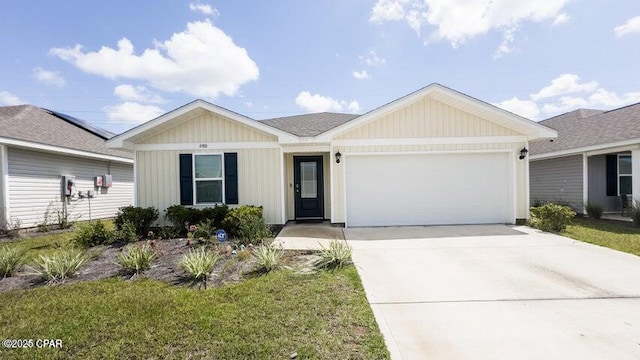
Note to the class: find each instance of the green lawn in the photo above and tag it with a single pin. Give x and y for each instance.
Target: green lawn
(615, 235)
(319, 316)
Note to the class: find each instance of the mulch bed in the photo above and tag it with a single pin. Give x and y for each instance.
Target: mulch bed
(231, 268)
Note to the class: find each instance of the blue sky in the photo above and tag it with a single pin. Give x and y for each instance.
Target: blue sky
(119, 63)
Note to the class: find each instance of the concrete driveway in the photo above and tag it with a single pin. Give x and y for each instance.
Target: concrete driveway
(498, 292)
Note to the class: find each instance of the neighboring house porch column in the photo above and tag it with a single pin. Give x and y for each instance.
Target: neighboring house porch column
(635, 172)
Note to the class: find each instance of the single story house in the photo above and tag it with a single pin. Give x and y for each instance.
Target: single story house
(38, 147)
(596, 158)
(435, 156)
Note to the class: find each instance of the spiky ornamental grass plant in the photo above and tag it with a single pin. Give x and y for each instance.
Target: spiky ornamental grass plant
(335, 256)
(10, 260)
(268, 257)
(136, 259)
(59, 266)
(199, 264)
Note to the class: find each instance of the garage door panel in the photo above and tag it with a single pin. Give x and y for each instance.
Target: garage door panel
(427, 189)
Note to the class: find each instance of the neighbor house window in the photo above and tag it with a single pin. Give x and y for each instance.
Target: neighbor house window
(624, 174)
(208, 178)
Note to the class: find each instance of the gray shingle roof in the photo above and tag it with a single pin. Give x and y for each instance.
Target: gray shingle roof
(586, 127)
(38, 125)
(309, 125)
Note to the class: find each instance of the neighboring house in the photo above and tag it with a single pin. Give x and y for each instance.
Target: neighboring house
(39, 146)
(435, 156)
(594, 159)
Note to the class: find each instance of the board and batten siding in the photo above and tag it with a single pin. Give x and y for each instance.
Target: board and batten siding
(208, 127)
(427, 118)
(557, 180)
(259, 175)
(35, 186)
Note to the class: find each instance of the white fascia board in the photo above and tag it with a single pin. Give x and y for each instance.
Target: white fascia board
(282, 136)
(61, 150)
(538, 131)
(591, 150)
(431, 141)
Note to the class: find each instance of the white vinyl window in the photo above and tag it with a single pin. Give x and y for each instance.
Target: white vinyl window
(624, 174)
(208, 180)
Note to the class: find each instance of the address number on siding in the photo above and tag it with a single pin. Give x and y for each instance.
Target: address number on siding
(203, 146)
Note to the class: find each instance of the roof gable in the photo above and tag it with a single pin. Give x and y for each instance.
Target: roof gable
(309, 125)
(176, 116)
(454, 99)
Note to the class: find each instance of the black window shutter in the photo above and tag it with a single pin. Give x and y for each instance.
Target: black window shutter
(231, 178)
(612, 175)
(186, 179)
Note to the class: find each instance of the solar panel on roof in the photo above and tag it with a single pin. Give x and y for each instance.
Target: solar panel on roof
(84, 125)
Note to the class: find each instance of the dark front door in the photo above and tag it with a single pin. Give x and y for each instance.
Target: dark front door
(308, 187)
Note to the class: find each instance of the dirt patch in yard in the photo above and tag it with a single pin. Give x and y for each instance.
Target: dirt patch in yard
(233, 266)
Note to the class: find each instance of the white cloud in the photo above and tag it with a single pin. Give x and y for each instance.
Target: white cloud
(7, 98)
(201, 61)
(136, 93)
(248, 104)
(457, 21)
(506, 44)
(319, 103)
(564, 94)
(132, 112)
(372, 59)
(526, 108)
(205, 9)
(49, 77)
(629, 27)
(361, 75)
(565, 84)
(561, 19)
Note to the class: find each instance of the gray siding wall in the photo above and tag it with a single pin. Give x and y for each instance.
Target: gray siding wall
(35, 185)
(558, 180)
(598, 184)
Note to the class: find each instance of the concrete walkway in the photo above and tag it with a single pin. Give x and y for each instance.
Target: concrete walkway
(504, 293)
(308, 236)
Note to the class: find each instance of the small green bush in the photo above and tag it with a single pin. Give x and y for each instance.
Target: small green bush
(127, 233)
(594, 210)
(93, 234)
(137, 259)
(268, 257)
(635, 213)
(238, 216)
(202, 232)
(253, 230)
(59, 266)
(551, 217)
(179, 216)
(335, 256)
(199, 264)
(140, 217)
(10, 260)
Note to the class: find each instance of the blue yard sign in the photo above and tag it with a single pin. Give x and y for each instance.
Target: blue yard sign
(221, 235)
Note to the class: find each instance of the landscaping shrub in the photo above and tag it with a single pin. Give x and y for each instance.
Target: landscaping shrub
(127, 233)
(336, 256)
(10, 260)
(137, 259)
(10, 229)
(59, 266)
(199, 264)
(93, 234)
(635, 213)
(179, 216)
(551, 217)
(202, 232)
(140, 217)
(240, 215)
(253, 230)
(268, 257)
(594, 210)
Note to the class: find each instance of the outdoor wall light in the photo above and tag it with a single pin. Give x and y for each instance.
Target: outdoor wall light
(523, 153)
(338, 157)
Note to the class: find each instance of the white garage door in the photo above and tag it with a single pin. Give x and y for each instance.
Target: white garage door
(427, 189)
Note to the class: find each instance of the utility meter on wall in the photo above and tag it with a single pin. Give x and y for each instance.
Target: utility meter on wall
(68, 185)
